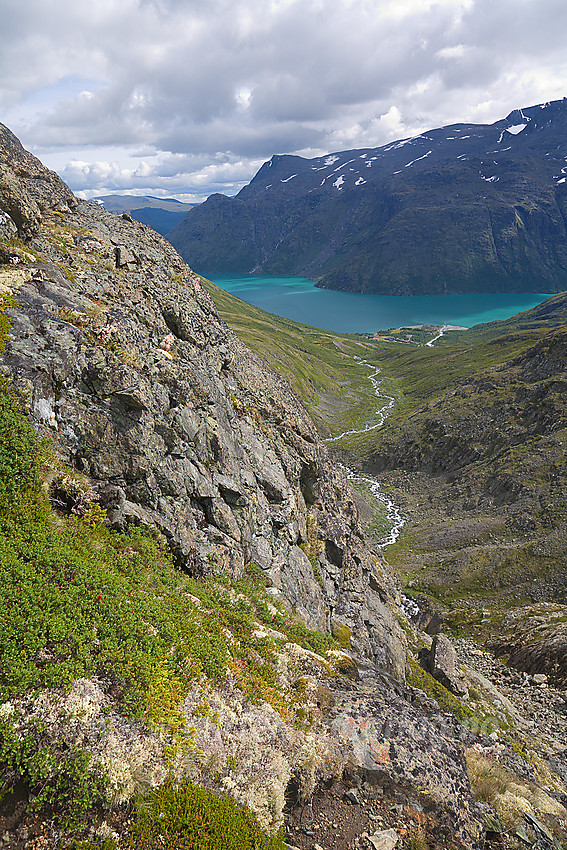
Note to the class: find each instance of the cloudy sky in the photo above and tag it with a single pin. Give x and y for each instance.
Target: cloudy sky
(183, 98)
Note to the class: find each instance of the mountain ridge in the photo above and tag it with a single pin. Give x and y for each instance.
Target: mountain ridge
(464, 208)
(161, 214)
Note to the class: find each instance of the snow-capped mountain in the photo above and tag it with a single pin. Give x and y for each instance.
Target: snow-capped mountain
(463, 208)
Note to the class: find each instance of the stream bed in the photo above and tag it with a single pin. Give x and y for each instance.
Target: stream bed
(393, 513)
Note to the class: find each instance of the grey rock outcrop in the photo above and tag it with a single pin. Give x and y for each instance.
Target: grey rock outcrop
(534, 639)
(171, 420)
(443, 665)
(399, 738)
(26, 186)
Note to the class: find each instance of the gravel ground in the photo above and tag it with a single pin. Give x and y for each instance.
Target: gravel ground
(543, 706)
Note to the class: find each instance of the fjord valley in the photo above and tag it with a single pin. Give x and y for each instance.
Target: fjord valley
(472, 448)
(202, 642)
(473, 453)
(361, 220)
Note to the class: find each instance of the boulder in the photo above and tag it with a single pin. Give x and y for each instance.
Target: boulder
(384, 840)
(443, 665)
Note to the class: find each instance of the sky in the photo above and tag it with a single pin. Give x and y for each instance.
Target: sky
(184, 98)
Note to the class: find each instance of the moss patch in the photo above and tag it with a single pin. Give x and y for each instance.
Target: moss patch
(341, 633)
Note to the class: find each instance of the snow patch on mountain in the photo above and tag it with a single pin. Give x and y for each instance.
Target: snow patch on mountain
(417, 160)
(516, 128)
(397, 145)
(344, 165)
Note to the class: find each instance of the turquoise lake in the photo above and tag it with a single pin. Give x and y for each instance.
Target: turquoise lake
(298, 298)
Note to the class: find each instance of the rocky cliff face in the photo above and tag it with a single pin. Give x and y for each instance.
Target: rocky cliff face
(172, 420)
(26, 188)
(463, 208)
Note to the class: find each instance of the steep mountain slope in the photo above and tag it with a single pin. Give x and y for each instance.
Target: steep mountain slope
(464, 208)
(176, 423)
(155, 619)
(473, 452)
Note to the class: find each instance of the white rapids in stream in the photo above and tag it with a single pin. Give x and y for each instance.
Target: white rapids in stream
(393, 514)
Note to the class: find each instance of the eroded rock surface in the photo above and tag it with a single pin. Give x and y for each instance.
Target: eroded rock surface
(399, 737)
(534, 639)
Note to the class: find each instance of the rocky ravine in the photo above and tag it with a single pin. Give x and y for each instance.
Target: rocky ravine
(169, 421)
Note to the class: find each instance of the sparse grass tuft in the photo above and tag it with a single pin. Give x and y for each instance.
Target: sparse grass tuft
(510, 796)
(417, 839)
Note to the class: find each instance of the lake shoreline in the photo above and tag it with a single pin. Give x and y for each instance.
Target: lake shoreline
(435, 327)
(346, 312)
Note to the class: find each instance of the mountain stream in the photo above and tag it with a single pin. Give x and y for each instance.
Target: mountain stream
(393, 514)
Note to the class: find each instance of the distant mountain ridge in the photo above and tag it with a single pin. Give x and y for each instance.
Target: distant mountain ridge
(463, 208)
(161, 214)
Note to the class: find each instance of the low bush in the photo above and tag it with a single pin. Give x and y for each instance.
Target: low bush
(192, 818)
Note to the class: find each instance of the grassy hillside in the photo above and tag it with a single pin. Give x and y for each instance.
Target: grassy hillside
(320, 365)
(428, 372)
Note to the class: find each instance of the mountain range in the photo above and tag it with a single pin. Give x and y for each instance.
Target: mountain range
(463, 208)
(161, 214)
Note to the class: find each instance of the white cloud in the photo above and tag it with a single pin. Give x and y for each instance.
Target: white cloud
(234, 81)
(189, 178)
(456, 51)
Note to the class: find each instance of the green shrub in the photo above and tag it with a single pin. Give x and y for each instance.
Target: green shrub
(5, 301)
(420, 678)
(192, 818)
(341, 633)
(59, 777)
(20, 453)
